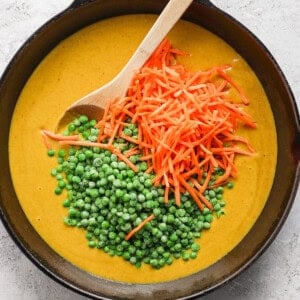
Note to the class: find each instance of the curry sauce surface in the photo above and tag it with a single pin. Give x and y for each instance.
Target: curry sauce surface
(82, 63)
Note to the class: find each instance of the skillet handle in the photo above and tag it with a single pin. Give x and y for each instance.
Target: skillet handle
(77, 3)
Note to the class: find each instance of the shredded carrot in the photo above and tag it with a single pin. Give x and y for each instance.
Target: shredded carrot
(87, 144)
(139, 227)
(186, 122)
(125, 159)
(131, 152)
(235, 85)
(60, 137)
(45, 141)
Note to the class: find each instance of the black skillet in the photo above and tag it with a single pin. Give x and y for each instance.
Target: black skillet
(85, 12)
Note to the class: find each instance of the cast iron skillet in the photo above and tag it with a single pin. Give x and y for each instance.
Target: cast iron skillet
(85, 12)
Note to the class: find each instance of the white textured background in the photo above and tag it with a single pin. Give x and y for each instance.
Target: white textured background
(276, 274)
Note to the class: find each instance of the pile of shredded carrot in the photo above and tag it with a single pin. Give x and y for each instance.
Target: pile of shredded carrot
(186, 124)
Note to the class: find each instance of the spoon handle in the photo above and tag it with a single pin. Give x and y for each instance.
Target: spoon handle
(164, 23)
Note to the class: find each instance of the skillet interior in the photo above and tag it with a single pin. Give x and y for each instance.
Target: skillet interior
(286, 176)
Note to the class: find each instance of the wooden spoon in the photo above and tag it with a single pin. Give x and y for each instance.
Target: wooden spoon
(93, 104)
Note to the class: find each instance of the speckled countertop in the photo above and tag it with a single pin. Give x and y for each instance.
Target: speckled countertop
(276, 274)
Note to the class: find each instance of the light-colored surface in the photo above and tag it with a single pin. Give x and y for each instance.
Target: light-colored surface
(276, 274)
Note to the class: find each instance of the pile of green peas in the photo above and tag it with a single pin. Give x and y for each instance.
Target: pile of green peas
(107, 199)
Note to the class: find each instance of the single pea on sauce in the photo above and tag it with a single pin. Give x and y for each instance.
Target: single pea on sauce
(82, 63)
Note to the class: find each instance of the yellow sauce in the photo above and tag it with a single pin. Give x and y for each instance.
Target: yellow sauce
(82, 63)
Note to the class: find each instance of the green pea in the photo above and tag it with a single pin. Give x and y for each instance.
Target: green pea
(60, 160)
(92, 123)
(84, 214)
(185, 256)
(206, 225)
(76, 179)
(61, 184)
(208, 218)
(88, 153)
(81, 157)
(83, 119)
(71, 127)
(195, 247)
(230, 185)
(212, 193)
(92, 244)
(206, 211)
(66, 203)
(222, 203)
(217, 207)
(61, 153)
(58, 190)
(219, 196)
(53, 172)
(220, 190)
(51, 152)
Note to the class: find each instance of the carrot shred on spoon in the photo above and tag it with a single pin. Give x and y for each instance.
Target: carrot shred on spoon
(59, 137)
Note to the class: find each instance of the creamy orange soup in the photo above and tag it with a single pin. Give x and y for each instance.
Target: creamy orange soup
(82, 63)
